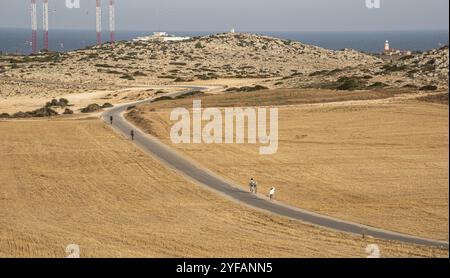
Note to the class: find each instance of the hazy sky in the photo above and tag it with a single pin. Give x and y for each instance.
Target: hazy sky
(244, 15)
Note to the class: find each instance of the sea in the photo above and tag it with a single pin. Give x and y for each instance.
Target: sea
(18, 40)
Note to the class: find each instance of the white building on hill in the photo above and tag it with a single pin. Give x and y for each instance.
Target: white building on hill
(161, 36)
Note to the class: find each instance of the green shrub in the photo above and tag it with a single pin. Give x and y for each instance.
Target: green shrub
(182, 79)
(349, 85)
(247, 89)
(57, 103)
(91, 108)
(429, 88)
(190, 94)
(113, 72)
(107, 105)
(410, 86)
(127, 77)
(393, 68)
(63, 102)
(317, 73)
(43, 112)
(168, 76)
(162, 98)
(68, 112)
(178, 63)
(378, 85)
(103, 66)
(345, 83)
(139, 73)
(198, 45)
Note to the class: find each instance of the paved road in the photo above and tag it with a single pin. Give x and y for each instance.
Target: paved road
(184, 166)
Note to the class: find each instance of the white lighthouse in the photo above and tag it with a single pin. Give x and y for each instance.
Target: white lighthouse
(387, 47)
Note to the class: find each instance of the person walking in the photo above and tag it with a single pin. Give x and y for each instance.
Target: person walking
(272, 193)
(253, 185)
(132, 135)
(111, 119)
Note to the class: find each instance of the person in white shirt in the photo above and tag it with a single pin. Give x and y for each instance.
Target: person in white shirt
(271, 193)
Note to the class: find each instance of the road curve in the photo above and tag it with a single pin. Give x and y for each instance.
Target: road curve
(190, 169)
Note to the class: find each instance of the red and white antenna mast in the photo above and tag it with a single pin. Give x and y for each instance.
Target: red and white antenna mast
(112, 20)
(98, 13)
(45, 23)
(33, 26)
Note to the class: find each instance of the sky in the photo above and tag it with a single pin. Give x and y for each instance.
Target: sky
(243, 15)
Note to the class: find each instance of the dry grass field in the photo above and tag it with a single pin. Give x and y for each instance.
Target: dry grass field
(379, 162)
(76, 181)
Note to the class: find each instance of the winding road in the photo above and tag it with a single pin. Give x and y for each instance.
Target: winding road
(191, 170)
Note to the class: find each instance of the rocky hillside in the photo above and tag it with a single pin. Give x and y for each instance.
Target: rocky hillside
(216, 56)
(424, 71)
(276, 62)
(427, 67)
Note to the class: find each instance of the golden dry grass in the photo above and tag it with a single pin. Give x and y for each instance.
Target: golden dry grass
(381, 164)
(65, 182)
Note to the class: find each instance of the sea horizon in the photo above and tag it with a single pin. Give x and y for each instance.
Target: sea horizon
(17, 40)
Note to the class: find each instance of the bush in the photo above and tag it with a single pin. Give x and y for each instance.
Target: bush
(113, 72)
(39, 113)
(139, 73)
(103, 66)
(127, 77)
(63, 102)
(247, 89)
(68, 112)
(407, 57)
(91, 108)
(206, 76)
(393, 68)
(43, 112)
(317, 73)
(190, 94)
(162, 98)
(178, 63)
(107, 105)
(198, 45)
(429, 88)
(378, 85)
(21, 115)
(345, 83)
(349, 85)
(5, 116)
(54, 102)
(181, 79)
(410, 86)
(167, 77)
